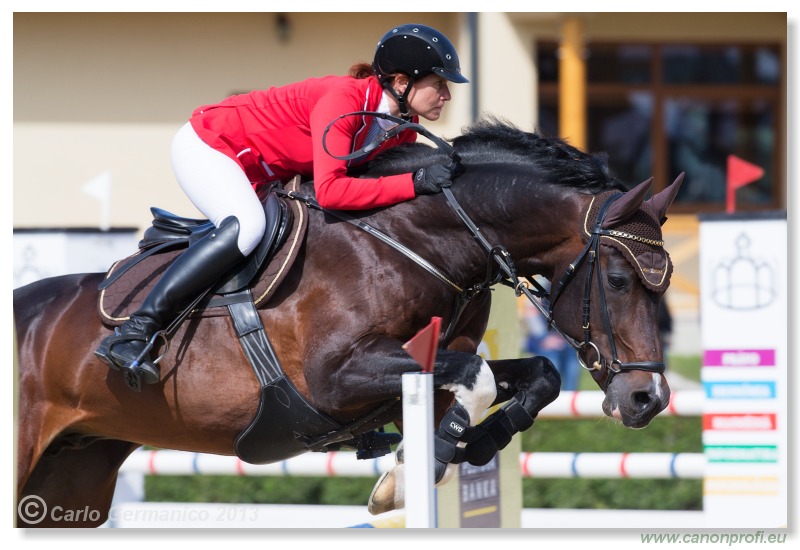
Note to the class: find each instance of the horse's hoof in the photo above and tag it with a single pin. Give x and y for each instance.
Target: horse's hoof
(388, 493)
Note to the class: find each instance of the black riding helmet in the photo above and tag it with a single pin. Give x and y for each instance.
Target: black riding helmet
(417, 51)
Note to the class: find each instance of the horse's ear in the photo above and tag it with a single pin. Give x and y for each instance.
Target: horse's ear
(627, 205)
(662, 201)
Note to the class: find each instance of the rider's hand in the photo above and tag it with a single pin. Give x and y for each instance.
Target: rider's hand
(430, 180)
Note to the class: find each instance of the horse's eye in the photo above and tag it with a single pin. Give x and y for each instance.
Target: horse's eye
(616, 281)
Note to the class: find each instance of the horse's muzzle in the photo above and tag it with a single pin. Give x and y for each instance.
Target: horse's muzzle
(635, 407)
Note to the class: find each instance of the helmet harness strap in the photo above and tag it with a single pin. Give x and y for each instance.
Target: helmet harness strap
(402, 100)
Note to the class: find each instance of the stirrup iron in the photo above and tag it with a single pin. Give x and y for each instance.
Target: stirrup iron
(150, 345)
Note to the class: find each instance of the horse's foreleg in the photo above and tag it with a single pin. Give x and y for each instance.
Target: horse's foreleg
(72, 486)
(527, 386)
(472, 384)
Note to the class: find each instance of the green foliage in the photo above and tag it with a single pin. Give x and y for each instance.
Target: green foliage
(602, 435)
(606, 494)
(687, 366)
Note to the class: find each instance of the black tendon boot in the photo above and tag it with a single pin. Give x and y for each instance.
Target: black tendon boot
(453, 428)
(194, 271)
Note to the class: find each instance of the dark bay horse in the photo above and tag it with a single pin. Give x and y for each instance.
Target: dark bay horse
(339, 319)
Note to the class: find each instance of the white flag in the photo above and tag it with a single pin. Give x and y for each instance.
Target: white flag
(99, 188)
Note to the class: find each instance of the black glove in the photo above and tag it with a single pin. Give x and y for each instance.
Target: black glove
(430, 180)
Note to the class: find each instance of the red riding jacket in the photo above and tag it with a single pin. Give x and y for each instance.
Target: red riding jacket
(277, 133)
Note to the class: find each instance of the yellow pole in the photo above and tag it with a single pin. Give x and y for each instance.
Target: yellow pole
(572, 84)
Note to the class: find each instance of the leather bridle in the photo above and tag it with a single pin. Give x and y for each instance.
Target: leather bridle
(591, 254)
(507, 272)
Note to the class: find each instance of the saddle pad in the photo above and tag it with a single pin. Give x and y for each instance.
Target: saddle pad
(117, 302)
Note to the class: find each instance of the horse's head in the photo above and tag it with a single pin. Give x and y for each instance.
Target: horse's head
(526, 191)
(616, 284)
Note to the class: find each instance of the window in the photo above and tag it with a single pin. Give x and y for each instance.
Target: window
(661, 109)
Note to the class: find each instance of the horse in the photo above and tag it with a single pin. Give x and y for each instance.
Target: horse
(338, 321)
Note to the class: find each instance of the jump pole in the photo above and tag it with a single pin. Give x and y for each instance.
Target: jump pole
(419, 480)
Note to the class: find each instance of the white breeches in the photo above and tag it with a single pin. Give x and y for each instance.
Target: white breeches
(217, 186)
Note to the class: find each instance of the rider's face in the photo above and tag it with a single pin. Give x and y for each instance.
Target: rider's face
(427, 97)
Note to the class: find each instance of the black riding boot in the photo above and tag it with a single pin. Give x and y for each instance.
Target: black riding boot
(194, 271)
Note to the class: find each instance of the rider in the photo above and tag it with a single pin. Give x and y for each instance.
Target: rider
(229, 150)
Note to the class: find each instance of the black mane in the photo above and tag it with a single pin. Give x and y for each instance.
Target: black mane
(491, 141)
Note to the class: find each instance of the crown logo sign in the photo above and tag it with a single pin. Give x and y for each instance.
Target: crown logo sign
(743, 282)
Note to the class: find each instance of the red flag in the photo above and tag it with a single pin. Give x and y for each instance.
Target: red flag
(740, 173)
(422, 347)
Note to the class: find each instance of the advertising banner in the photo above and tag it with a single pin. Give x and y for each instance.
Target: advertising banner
(743, 305)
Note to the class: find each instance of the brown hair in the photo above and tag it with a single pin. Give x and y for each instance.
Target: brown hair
(361, 70)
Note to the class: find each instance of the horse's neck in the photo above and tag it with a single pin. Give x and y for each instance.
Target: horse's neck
(531, 223)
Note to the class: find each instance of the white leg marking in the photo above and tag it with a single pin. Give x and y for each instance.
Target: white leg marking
(480, 397)
(475, 401)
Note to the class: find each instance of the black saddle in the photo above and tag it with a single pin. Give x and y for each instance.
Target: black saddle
(170, 231)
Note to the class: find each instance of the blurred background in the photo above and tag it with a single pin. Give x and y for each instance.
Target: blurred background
(98, 97)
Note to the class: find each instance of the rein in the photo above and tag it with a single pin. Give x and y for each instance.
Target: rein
(500, 256)
(377, 233)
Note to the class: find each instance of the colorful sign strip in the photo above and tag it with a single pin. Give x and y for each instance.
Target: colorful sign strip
(742, 486)
(740, 421)
(741, 453)
(739, 358)
(740, 390)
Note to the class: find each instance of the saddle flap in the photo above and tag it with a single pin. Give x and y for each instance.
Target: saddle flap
(278, 218)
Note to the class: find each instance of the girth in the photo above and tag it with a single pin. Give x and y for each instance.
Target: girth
(286, 424)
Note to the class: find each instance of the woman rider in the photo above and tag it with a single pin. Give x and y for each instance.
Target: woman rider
(228, 150)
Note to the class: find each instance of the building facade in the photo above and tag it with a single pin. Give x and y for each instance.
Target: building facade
(98, 97)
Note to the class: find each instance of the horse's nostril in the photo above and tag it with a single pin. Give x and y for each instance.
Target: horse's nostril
(642, 398)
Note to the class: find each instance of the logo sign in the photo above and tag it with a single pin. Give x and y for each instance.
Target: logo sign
(744, 315)
(480, 494)
(745, 282)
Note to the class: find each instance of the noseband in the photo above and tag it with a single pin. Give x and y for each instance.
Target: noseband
(591, 254)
